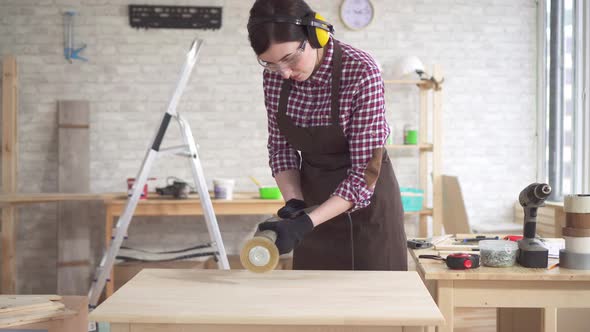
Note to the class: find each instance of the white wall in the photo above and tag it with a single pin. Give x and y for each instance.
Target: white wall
(486, 49)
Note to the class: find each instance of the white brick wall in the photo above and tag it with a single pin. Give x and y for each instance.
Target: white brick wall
(486, 48)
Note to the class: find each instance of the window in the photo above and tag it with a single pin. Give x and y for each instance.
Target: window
(564, 112)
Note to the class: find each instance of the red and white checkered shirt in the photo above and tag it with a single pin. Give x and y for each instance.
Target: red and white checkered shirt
(362, 116)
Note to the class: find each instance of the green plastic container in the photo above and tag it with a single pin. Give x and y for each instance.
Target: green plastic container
(411, 137)
(270, 193)
(412, 199)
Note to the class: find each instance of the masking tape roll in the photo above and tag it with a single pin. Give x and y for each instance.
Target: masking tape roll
(576, 232)
(580, 245)
(577, 203)
(260, 254)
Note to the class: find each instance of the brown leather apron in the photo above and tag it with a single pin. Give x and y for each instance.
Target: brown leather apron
(372, 238)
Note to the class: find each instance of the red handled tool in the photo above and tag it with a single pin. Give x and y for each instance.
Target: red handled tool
(458, 261)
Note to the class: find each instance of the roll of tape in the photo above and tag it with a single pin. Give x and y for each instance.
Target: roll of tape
(576, 232)
(580, 245)
(572, 260)
(577, 220)
(577, 203)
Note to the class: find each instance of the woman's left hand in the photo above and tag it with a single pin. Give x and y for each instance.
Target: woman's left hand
(290, 232)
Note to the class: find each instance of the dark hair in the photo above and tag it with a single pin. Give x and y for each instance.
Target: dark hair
(263, 34)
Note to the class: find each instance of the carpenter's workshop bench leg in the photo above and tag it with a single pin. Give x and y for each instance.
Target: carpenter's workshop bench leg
(446, 304)
(550, 319)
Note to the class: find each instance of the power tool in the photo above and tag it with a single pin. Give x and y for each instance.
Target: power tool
(531, 251)
(178, 189)
(457, 261)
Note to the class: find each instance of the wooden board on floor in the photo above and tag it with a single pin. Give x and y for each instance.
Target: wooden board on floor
(73, 263)
(11, 303)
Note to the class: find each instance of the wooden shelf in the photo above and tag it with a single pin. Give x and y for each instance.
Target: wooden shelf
(422, 147)
(425, 212)
(428, 153)
(408, 82)
(423, 84)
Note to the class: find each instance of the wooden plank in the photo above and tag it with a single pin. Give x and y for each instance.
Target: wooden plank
(29, 316)
(454, 213)
(9, 169)
(74, 177)
(437, 120)
(341, 298)
(73, 319)
(9, 303)
(423, 160)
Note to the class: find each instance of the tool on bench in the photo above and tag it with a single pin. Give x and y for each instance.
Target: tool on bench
(532, 252)
(177, 189)
(418, 244)
(457, 261)
(480, 238)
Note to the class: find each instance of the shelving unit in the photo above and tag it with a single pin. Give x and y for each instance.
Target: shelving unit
(427, 88)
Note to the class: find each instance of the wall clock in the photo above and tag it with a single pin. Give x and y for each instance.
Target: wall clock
(357, 14)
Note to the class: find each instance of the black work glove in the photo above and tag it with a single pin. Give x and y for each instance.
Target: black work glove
(290, 232)
(293, 208)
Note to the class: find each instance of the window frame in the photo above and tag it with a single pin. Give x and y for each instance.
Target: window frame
(581, 114)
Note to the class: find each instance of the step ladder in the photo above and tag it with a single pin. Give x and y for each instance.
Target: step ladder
(189, 150)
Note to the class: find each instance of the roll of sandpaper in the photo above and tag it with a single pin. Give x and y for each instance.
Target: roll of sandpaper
(577, 230)
(260, 254)
(577, 211)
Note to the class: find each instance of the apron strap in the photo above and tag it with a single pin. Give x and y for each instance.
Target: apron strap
(336, 76)
(335, 89)
(284, 98)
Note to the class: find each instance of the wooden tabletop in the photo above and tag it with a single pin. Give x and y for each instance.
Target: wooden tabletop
(282, 297)
(33, 198)
(438, 270)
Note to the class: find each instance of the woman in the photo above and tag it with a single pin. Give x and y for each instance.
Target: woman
(327, 128)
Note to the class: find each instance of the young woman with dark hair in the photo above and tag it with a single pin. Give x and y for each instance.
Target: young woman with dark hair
(327, 130)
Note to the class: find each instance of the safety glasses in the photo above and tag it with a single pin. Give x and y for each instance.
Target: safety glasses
(288, 61)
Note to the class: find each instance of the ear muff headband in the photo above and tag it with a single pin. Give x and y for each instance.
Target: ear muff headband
(318, 30)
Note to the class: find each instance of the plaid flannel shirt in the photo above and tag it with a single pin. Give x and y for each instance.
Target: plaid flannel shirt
(362, 116)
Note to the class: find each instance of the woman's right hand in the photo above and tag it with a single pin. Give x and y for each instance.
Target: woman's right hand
(292, 209)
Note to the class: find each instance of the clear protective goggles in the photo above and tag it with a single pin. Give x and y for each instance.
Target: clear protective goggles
(288, 61)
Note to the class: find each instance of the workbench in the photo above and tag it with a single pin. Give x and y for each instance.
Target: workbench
(286, 301)
(510, 289)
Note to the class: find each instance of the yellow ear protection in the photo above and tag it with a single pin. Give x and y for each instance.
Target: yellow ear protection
(318, 30)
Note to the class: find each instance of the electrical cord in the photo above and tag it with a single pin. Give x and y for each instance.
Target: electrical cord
(351, 241)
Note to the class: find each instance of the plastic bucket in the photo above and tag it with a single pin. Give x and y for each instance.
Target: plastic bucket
(223, 188)
(270, 193)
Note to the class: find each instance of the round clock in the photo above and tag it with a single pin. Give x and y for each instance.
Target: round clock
(356, 14)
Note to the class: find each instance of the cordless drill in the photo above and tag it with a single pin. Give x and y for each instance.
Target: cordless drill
(532, 252)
